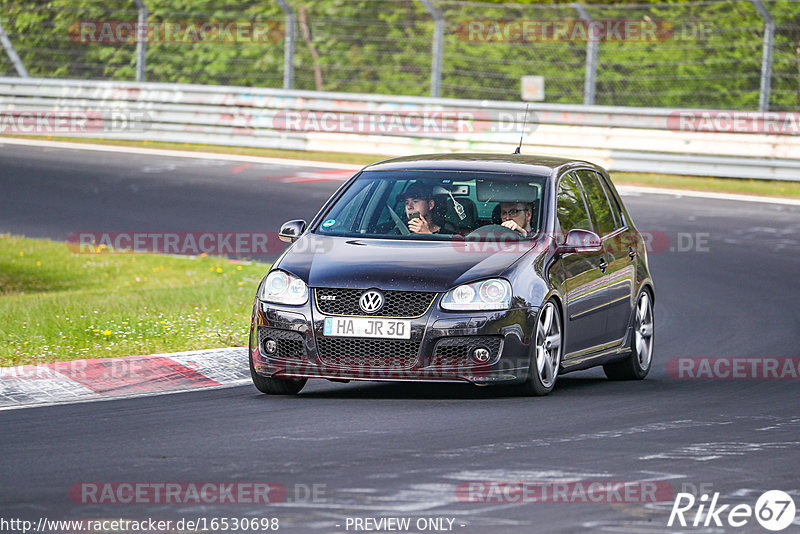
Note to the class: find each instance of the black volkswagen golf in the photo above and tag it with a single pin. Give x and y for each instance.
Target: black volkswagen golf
(480, 268)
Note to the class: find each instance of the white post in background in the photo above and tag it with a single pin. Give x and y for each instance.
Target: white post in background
(438, 47)
(141, 40)
(766, 56)
(12, 54)
(288, 47)
(590, 77)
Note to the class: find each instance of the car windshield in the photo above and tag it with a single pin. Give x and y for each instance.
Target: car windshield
(446, 205)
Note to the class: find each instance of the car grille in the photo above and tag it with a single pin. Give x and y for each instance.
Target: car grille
(455, 351)
(365, 354)
(290, 343)
(397, 304)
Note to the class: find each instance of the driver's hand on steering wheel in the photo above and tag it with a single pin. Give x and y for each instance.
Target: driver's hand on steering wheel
(511, 225)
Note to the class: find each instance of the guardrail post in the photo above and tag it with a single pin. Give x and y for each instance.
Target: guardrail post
(438, 47)
(590, 76)
(288, 47)
(141, 40)
(12, 54)
(766, 56)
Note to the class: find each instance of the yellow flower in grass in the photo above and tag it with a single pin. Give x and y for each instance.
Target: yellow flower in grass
(219, 269)
(107, 332)
(95, 331)
(238, 267)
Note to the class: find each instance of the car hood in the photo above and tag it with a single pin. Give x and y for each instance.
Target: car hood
(324, 261)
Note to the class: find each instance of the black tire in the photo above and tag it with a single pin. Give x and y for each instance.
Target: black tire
(637, 364)
(546, 357)
(275, 386)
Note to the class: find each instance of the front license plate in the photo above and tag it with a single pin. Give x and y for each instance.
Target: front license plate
(367, 327)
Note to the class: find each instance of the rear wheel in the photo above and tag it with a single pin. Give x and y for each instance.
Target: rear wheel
(275, 386)
(546, 358)
(637, 365)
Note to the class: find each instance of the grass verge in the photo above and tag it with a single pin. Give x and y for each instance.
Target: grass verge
(60, 306)
(769, 188)
(763, 188)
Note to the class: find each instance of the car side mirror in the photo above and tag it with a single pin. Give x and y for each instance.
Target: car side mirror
(581, 241)
(292, 230)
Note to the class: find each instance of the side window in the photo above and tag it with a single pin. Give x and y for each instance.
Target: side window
(570, 207)
(392, 203)
(615, 209)
(347, 216)
(601, 210)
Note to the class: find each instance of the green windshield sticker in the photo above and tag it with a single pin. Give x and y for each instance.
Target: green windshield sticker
(329, 223)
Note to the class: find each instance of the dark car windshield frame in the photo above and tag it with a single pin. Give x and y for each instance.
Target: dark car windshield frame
(464, 201)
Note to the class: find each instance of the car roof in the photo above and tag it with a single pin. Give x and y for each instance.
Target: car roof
(508, 163)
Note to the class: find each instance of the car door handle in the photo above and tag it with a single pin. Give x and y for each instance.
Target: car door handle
(631, 253)
(603, 265)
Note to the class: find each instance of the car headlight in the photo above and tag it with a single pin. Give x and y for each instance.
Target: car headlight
(283, 288)
(494, 294)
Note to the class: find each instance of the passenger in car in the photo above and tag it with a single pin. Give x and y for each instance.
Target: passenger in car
(516, 216)
(419, 203)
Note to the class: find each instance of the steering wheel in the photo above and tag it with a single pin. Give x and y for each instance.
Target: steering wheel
(398, 222)
(494, 229)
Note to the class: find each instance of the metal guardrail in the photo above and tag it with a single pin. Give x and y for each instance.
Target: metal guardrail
(619, 138)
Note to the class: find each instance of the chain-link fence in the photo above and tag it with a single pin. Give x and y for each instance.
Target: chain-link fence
(741, 54)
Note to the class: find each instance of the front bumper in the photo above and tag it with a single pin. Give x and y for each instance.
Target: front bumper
(440, 348)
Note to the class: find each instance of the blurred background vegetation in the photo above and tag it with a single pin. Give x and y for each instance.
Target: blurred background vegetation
(711, 59)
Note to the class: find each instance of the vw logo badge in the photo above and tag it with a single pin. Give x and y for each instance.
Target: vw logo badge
(371, 301)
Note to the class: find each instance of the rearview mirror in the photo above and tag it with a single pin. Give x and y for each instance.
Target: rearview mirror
(581, 241)
(292, 230)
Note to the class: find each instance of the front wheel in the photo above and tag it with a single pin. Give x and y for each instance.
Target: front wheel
(546, 359)
(637, 365)
(275, 386)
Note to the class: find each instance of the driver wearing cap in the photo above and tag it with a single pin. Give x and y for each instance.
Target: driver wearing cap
(419, 199)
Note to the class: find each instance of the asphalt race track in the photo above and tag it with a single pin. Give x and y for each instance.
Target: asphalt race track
(726, 279)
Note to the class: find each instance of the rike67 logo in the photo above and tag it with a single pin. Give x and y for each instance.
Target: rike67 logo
(774, 510)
